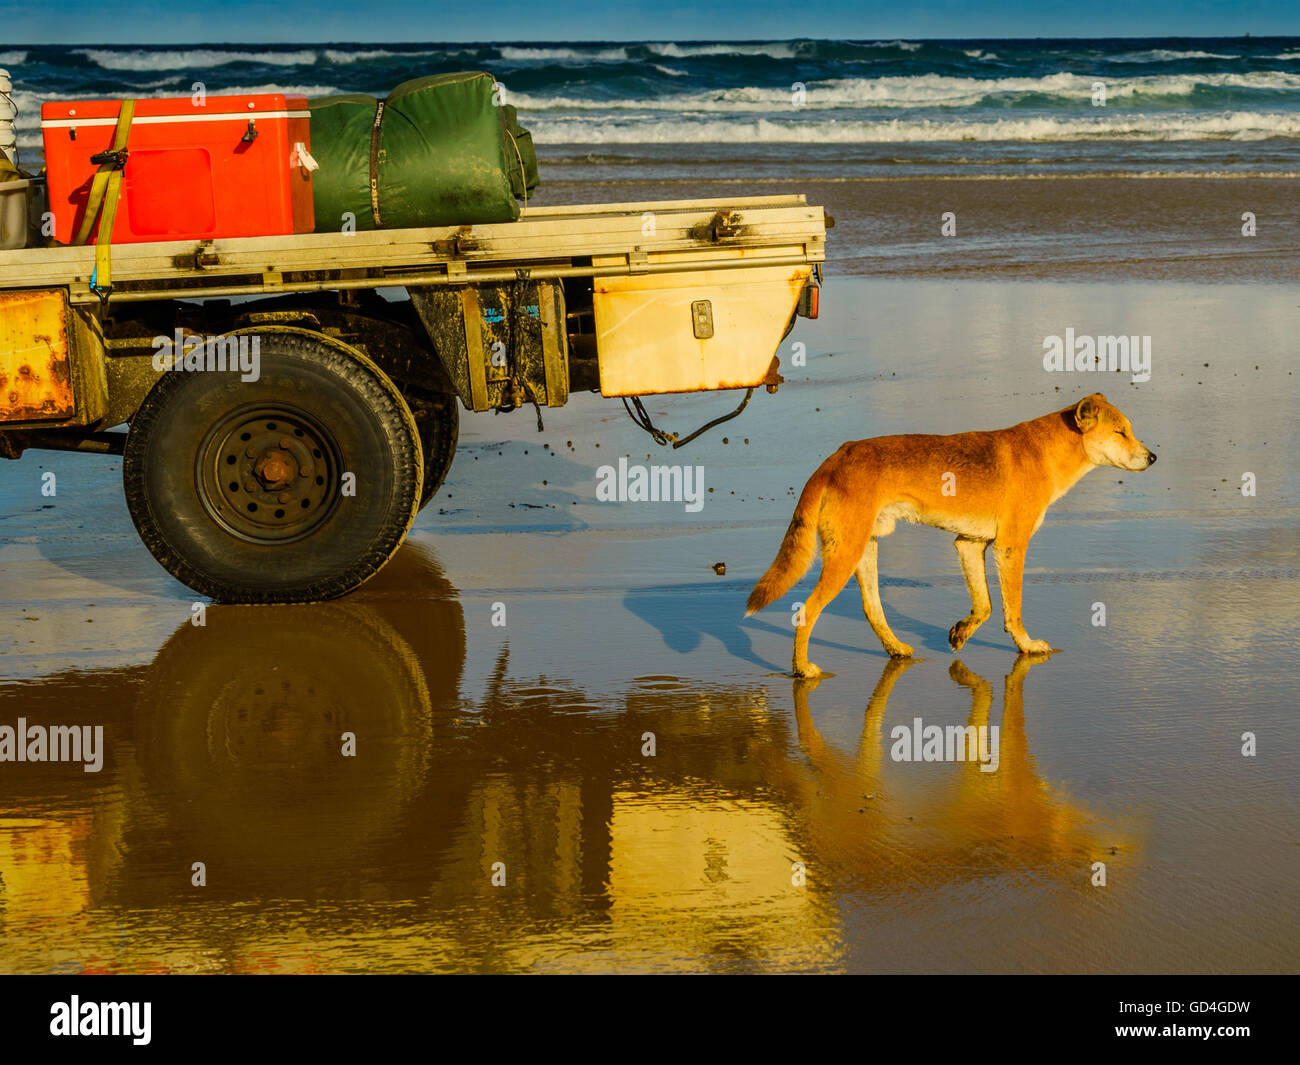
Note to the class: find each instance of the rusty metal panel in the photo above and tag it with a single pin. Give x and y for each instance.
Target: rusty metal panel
(35, 357)
(648, 336)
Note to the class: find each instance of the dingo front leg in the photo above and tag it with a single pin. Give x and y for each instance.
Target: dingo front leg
(1011, 570)
(971, 553)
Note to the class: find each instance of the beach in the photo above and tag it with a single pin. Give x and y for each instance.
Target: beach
(571, 751)
(522, 743)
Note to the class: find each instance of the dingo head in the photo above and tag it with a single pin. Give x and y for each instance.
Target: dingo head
(1108, 438)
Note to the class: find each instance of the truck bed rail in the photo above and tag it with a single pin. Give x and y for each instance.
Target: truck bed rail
(547, 242)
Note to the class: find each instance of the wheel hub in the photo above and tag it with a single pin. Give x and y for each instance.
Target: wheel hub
(269, 475)
(276, 469)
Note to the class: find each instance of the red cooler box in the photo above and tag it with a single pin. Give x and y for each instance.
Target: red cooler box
(233, 166)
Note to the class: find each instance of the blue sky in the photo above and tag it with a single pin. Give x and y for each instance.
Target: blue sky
(319, 21)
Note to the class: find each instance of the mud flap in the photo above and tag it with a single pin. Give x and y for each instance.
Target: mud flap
(503, 346)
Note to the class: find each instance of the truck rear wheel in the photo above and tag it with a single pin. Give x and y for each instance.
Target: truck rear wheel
(293, 488)
(438, 420)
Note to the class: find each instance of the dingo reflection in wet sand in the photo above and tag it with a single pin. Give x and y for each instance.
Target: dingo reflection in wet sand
(866, 824)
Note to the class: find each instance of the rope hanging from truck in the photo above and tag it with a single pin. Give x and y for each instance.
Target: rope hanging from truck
(637, 412)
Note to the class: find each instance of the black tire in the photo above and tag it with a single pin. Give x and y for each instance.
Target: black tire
(238, 488)
(438, 417)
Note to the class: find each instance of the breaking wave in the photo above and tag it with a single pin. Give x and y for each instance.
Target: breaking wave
(1242, 126)
(193, 59)
(927, 90)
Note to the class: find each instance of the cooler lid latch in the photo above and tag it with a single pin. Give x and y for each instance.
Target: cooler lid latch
(303, 158)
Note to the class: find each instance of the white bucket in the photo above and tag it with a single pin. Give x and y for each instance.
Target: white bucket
(13, 214)
(8, 140)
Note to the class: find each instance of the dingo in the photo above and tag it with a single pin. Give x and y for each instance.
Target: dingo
(987, 487)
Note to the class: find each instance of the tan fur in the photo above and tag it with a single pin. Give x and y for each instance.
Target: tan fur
(1001, 484)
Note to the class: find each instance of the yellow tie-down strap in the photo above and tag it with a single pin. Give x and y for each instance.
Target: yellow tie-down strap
(104, 190)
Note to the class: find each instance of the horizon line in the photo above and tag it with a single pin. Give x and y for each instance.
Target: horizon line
(532, 42)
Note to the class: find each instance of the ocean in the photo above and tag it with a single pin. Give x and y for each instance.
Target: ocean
(786, 108)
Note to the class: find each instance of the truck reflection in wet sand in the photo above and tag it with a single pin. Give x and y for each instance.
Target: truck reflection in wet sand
(384, 861)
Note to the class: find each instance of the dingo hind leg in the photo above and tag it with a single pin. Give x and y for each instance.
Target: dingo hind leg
(869, 582)
(841, 549)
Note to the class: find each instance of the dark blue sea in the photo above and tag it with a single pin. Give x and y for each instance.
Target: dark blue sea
(888, 108)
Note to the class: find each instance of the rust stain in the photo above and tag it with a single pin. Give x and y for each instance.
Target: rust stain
(773, 379)
(723, 385)
(35, 362)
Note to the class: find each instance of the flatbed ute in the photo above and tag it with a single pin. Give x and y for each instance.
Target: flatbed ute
(293, 401)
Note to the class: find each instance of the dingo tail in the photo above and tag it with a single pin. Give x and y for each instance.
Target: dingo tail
(797, 549)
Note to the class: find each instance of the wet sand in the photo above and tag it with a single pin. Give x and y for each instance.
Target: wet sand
(523, 744)
(1063, 227)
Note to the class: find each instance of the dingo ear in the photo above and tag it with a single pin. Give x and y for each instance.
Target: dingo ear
(1085, 414)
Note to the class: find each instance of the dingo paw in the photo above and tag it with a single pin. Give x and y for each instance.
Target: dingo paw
(808, 670)
(901, 650)
(1036, 647)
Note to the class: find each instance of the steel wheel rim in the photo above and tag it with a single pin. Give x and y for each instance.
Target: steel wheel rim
(269, 474)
